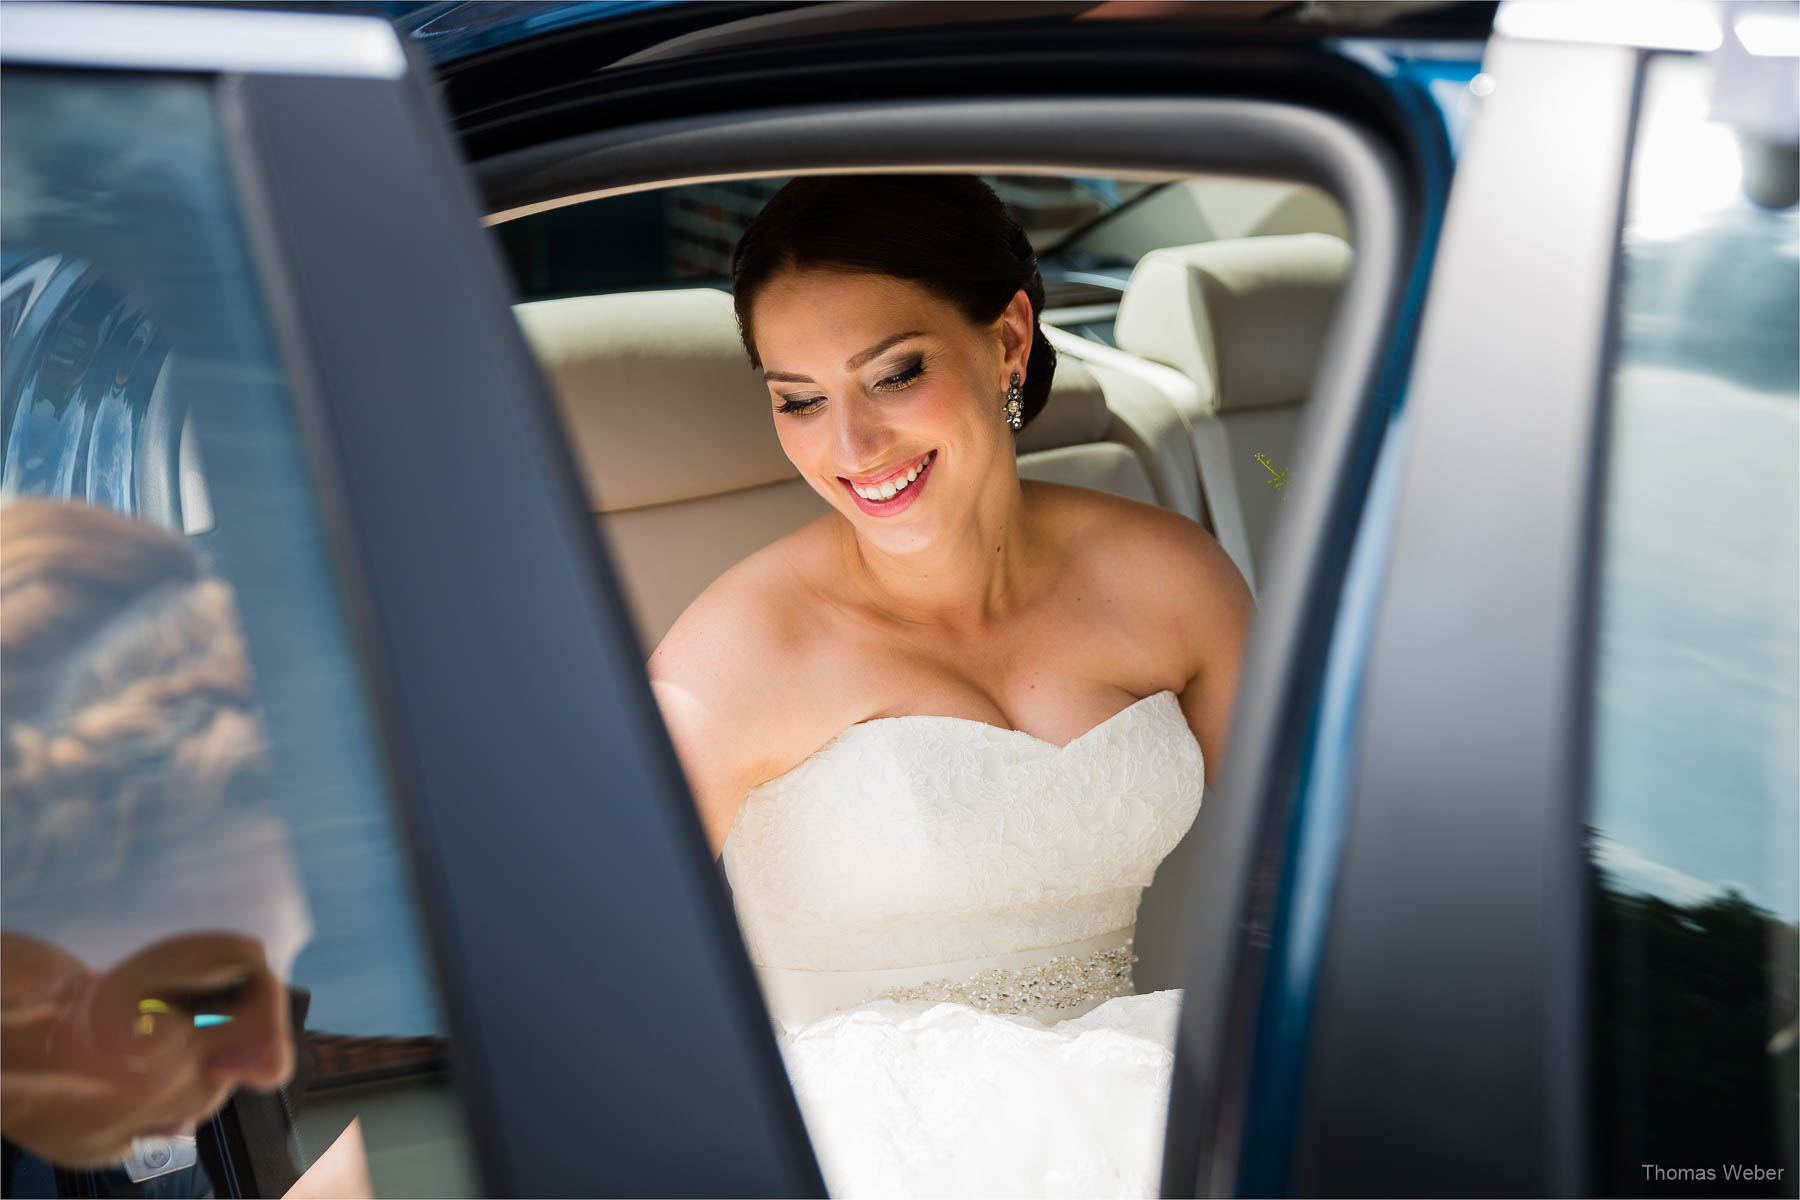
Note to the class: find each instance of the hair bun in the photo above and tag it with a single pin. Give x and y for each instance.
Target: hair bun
(951, 234)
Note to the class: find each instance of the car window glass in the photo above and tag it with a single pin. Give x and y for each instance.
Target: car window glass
(669, 236)
(1694, 789)
(190, 747)
(1089, 233)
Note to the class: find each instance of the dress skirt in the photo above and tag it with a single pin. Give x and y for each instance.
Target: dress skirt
(941, 1099)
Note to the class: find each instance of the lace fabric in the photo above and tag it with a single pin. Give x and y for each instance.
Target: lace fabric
(940, 912)
(918, 840)
(949, 1101)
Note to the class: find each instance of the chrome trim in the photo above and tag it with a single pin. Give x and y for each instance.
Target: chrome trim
(989, 165)
(1096, 279)
(157, 37)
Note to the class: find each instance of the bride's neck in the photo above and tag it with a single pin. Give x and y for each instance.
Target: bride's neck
(973, 577)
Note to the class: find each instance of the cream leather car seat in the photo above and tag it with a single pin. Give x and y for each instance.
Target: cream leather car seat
(1244, 321)
(672, 431)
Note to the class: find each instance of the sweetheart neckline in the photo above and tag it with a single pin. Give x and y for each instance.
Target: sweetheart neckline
(842, 733)
(1141, 700)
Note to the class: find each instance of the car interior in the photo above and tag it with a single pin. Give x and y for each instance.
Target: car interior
(1188, 322)
(1188, 314)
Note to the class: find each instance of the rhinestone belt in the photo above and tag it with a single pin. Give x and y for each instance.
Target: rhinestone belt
(1066, 981)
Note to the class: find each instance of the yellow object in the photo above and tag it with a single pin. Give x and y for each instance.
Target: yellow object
(145, 1025)
(1280, 476)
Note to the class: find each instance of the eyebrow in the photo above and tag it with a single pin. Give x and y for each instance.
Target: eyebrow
(853, 362)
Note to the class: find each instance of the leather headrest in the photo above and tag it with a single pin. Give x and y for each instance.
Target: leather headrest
(1244, 319)
(661, 403)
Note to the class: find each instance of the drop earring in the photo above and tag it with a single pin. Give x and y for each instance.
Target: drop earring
(1014, 412)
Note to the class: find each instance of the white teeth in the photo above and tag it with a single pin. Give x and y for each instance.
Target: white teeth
(888, 490)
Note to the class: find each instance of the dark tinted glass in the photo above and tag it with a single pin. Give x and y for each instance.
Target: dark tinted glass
(685, 235)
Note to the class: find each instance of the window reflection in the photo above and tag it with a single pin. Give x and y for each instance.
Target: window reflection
(204, 893)
(152, 907)
(1695, 785)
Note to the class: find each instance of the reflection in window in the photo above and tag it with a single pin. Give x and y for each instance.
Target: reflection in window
(1696, 719)
(195, 813)
(82, 370)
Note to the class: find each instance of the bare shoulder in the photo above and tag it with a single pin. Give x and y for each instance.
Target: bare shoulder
(1167, 567)
(730, 627)
(718, 671)
(1113, 533)
(1182, 593)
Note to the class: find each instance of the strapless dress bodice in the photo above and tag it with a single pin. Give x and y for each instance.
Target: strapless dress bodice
(940, 858)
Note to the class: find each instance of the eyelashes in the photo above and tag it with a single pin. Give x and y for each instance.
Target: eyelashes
(893, 383)
(905, 378)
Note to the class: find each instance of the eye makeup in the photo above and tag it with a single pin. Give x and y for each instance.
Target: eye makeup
(910, 373)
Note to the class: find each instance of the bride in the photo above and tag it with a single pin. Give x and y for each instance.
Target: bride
(943, 735)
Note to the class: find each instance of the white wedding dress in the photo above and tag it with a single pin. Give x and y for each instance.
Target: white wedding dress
(941, 916)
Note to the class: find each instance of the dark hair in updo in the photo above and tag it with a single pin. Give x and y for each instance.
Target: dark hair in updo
(948, 233)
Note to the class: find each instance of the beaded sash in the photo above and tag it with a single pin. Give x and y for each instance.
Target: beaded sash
(1063, 982)
(1050, 983)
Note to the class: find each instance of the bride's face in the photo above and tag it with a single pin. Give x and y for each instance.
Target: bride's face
(888, 400)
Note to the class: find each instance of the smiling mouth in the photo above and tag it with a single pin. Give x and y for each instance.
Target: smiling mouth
(895, 493)
(893, 484)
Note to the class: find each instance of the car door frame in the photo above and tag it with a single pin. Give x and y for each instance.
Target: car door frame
(1246, 123)
(1445, 987)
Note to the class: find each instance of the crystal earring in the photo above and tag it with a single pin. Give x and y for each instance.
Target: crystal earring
(1014, 412)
